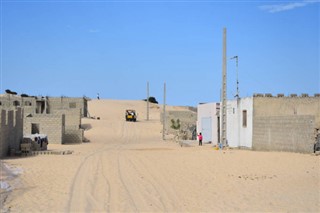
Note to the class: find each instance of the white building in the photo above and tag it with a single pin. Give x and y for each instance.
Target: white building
(239, 122)
(264, 122)
(207, 122)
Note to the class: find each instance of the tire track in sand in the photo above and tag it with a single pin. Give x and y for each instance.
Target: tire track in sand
(112, 188)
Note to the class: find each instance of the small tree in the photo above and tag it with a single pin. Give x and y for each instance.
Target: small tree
(175, 124)
(152, 100)
(24, 95)
(10, 92)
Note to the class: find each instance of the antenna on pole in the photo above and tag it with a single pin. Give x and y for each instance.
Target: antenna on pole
(237, 58)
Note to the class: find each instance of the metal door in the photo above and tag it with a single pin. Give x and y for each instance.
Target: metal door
(206, 129)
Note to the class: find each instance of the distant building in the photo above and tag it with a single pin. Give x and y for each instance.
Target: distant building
(264, 122)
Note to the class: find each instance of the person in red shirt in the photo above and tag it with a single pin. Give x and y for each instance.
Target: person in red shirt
(200, 139)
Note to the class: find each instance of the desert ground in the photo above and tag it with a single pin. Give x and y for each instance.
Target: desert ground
(127, 167)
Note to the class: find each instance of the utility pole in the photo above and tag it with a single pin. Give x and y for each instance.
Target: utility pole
(224, 89)
(147, 100)
(164, 112)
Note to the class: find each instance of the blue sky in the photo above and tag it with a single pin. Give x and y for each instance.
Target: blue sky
(76, 48)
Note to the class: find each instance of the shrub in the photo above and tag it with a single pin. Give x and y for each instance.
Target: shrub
(175, 124)
(10, 92)
(152, 100)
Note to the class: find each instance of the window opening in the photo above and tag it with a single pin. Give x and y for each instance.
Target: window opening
(35, 128)
(16, 103)
(244, 118)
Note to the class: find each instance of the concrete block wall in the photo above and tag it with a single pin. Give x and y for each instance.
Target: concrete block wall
(60, 103)
(281, 106)
(53, 125)
(8, 101)
(285, 123)
(12, 102)
(73, 136)
(293, 133)
(4, 134)
(11, 130)
(73, 133)
(72, 108)
(73, 118)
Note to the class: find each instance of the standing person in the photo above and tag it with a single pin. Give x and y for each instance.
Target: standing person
(98, 97)
(200, 139)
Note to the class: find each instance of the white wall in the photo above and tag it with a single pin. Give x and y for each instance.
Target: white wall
(232, 123)
(246, 134)
(205, 112)
(237, 134)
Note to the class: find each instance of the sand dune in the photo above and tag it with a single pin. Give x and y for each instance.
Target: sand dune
(126, 167)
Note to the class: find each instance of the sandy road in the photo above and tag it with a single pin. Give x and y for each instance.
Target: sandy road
(135, 171)
(107, 180)
(128, 168)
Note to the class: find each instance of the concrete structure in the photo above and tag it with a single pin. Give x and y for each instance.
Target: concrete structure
(285, 123)
(268, 123)
(208, 122)
(11, 130)
(73, 132)
(240, 123)
(12, 102)
(65, 103)
(59, 118)
(44, 105)
(52, 125)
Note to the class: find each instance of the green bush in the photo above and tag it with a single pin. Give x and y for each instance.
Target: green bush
(175, 124)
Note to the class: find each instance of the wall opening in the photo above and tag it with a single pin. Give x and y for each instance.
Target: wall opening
(40, 107)
(35, 128)
(16, 103)
(27, 103)
(244, 118)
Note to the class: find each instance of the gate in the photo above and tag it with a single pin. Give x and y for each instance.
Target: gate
(206, 129)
